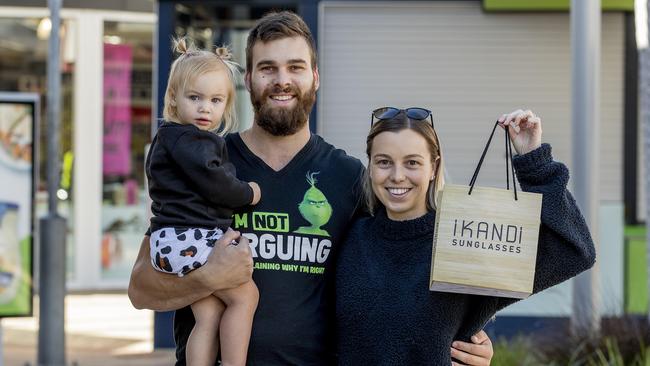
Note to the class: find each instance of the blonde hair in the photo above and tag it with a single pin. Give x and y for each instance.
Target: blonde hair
(424, 129)
(193, 63)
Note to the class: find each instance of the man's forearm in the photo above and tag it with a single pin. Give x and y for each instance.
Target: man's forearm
(151, 289)
(227, 266)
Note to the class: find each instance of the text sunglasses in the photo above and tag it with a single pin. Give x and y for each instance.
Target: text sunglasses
(414, 113)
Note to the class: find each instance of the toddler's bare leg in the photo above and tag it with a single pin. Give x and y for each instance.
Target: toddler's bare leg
(236, 322)
(202, 345)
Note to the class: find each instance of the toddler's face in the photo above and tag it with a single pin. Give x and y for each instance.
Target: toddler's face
(203, 101)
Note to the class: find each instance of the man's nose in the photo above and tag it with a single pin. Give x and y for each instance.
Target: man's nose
(283, 78)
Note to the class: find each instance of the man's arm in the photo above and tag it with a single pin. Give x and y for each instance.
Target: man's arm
(227, 266)
(477, 353)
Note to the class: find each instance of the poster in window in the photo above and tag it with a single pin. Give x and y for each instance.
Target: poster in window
(18, 123)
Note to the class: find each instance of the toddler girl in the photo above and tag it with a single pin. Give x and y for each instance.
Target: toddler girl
(194, 191)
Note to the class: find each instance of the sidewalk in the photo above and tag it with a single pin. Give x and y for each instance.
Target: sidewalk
(101, 330)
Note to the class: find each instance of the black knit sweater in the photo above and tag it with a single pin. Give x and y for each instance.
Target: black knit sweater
(191, 181)
(386, 314)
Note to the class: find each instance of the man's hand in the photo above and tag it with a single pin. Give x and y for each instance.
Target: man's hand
(477, 353)
(227, 266)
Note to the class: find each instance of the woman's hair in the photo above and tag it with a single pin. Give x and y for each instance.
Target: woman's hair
(423, 128)
(193, 63)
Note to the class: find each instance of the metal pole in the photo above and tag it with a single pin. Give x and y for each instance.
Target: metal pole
(585, 113)
(51, 335)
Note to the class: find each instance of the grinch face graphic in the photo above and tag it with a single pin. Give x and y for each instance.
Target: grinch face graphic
(314, 208)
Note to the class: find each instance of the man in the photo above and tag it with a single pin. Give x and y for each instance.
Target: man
(310, 194)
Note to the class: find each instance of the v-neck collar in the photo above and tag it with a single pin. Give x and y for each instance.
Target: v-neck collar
(296, 160)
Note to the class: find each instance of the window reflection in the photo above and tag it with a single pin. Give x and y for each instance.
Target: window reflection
(127, 130)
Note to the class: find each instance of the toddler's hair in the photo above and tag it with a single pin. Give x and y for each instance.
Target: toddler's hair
(193, 63)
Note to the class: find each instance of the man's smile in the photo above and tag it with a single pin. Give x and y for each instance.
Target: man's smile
(282, 99)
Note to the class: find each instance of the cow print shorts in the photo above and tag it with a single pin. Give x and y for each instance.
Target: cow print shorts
(181, 250)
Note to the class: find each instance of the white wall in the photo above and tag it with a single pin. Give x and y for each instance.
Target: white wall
(469, 67)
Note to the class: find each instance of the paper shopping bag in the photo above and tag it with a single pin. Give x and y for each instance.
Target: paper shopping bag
(485, 239)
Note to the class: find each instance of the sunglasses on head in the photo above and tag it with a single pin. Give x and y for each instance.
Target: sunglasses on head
(414, 113)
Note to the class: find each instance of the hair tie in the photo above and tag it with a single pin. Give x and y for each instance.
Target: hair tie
(181, 46)
(223, 53)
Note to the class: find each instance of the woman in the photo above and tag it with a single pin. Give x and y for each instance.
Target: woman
(385, 313)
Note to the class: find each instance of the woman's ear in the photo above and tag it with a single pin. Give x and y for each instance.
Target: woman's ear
(435, 166)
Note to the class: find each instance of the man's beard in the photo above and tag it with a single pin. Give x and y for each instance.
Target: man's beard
(279, 121)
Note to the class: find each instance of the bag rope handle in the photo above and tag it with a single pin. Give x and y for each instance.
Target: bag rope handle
(509, 163)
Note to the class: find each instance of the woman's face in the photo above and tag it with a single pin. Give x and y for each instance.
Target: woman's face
(400, 172)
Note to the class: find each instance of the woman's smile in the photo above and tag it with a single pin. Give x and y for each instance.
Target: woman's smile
(398, 192)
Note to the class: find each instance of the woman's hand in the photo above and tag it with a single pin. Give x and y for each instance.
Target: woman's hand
(525, 130)
(477, 353)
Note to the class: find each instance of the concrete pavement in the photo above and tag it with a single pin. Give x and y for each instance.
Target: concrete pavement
(101, 329)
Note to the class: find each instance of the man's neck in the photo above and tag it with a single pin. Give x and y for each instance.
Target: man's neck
(275, 151)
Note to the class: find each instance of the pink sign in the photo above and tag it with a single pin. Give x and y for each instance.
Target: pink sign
(117, 109)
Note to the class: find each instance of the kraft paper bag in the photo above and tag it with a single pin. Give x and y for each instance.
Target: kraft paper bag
(485, 239)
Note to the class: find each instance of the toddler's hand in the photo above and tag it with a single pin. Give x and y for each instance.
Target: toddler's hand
(257, 194)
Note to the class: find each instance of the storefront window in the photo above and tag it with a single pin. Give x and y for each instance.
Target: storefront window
(23, 68)
(127, 132)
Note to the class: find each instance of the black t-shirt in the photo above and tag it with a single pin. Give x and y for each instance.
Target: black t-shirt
(294, 233)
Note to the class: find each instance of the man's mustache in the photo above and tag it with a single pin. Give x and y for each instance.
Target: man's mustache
(277, 89)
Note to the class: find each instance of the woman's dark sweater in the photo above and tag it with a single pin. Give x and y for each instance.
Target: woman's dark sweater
(386, 314)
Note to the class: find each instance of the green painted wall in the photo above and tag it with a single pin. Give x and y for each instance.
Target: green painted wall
(636, 284)
(551, 5)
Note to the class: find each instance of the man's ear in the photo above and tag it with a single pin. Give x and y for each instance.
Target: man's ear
(247, 81)
(316, 78)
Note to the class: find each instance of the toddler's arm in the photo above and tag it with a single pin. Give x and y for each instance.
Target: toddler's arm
(204, 158)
